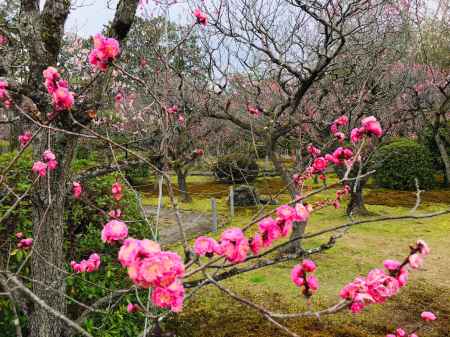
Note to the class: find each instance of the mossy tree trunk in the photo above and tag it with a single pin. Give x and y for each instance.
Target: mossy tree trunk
(299, 227)
(182, 184)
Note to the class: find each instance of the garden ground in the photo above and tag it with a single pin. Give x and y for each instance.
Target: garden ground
(362, 248)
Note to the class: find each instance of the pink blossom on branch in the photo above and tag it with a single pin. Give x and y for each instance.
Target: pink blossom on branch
(132, 308)
(201, 17)
(116, 191)
(234, 245)
(76, 190)
(25, 243)
(40, 168)
(25, 138)
(105, 51)
(428, 316)
(87, 266)
(312, 150)
(114, 230)
(205, 246)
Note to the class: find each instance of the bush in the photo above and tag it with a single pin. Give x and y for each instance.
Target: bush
(236, 168)
(400, 162)
(137, 174)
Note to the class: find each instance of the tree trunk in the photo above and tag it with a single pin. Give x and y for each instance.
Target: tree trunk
(356, 204)
(182, 185)
(47, 261)
(444, 156)
(299, 227)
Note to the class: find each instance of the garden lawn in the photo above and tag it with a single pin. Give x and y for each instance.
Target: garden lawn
(363, 247)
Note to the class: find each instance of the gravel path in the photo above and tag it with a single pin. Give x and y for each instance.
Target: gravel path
(194, 223)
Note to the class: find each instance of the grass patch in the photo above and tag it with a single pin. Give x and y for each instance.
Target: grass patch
(364, 247)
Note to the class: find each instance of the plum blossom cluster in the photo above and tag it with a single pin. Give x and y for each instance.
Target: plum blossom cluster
(77, 189)
(369, 126)
(427, 316)
(174, 110)
(336, 202)
(340, 156)
(49, 163)
(62, 98)
(116, 191)
(341, 121)
(24, 243)
(105, 51)
(379, 285)
(25, 138)
(149, 267)
(87, 266)
(4, 97)
(300, 277)
(234, 246)
(201, 17)
(114, 230)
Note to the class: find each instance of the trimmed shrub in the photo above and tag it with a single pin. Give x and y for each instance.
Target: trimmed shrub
(400, 162)
(236, 168)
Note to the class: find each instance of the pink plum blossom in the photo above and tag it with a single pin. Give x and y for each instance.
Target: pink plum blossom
(161, 269)
(297, 275)
(423, 247)
(302, 212)
(62, 99)
(269, 231)
(76, 189)
(114, 230)
(170, 297)
(428, 316)
(372, 126)
(201, 17)
(415, 260)
(234, 245)
(356, 135)
(312, 282)
(205, 246)
(87, 266)
(105, 51)
(312, 150)
(391, 265)
(116, 191)
(25, 243)
(19, 235)
(40, 168)
(319, 165)
(115, 213)
(25, 138)
(308, 265)
(132, 308)
(256, 244)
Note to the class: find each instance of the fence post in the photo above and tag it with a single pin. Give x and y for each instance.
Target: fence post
(231, 198)
(214, 214)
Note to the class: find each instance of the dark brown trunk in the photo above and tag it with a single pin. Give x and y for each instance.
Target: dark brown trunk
(299, 227)
(182, 185)
(47, 261)
(356, 204)
(444, 156)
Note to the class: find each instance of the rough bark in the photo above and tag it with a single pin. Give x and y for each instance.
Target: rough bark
(47, 261)
(444, 156)
(182, 185)
(298, 227)
(356, 204)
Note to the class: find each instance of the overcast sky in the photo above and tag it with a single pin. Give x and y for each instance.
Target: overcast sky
(89, 16)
